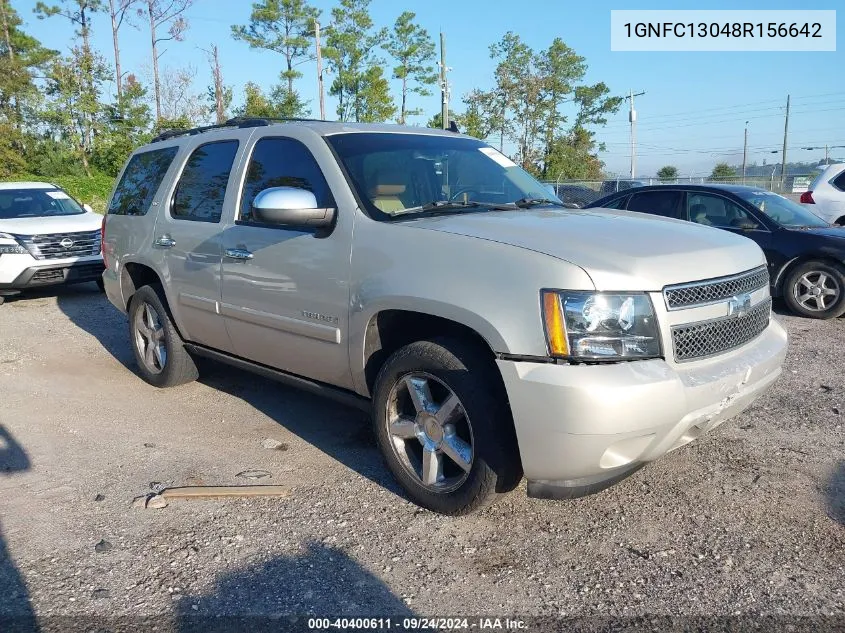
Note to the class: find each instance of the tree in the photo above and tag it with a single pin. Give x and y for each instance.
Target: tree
(74, 85)
(349, 51)
(89, 65)
(375, 102)
(219, 95)
(118, 10)
(256, 104)
(669, 172)
(436, 122)
(127, 127)
(722, 171)
(286, 27)
(169, 14)
(413, 48)
(21, 58)
(178, 101)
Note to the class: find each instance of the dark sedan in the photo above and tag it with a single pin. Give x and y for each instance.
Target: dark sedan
(805, 253)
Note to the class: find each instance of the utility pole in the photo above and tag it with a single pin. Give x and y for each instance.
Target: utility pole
(826, 155)
(320, 70)
(745, 152)
(785, 131)
(632, 117)
(444, 86)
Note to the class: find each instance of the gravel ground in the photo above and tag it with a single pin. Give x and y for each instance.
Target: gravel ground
(750, 519)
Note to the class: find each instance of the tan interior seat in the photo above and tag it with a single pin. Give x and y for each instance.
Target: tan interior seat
(388, 184)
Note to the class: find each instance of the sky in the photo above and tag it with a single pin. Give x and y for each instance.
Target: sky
(692, 114)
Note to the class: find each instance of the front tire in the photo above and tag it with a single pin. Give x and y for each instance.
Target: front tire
(444, 427)
(816, 289)
(159, 351)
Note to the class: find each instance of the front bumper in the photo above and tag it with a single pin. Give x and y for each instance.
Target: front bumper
(583, 427)
(56, 273)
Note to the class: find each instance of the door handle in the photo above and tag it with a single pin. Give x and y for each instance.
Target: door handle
(165, 241)
(238, 253)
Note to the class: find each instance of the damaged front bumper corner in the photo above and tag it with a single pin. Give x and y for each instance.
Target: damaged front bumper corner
(582, 428)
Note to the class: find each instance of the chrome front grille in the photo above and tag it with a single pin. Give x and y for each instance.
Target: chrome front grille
(61, 245)
(708, 338)
(701, 293)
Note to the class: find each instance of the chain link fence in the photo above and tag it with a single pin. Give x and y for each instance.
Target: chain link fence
(583, 192)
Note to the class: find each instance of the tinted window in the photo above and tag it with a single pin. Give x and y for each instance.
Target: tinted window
(282, 162)
(712, 210)
(839, 181)
(140, 181)
(619, 203)
(665, 203)
(202, 187)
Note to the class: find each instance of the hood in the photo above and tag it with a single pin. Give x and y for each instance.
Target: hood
(619, 250)
(51, 224)
(827, 231)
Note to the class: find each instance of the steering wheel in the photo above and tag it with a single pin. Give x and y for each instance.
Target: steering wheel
(461, 191)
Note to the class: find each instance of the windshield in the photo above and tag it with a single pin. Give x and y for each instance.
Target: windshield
(403, 175)
(35, 203)
(782, 210)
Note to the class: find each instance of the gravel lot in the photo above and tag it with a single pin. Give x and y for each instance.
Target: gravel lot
(748, 520)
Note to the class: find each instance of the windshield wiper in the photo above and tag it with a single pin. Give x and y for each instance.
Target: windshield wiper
(524, 203)
(438, 206)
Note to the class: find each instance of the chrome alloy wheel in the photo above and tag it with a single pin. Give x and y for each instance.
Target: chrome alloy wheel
(816, 291)
(149, 338)
(430, 432)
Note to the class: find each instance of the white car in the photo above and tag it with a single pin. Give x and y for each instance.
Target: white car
(46, 238)
(826, 196)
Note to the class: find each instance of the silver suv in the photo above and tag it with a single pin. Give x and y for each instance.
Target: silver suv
(423, 276)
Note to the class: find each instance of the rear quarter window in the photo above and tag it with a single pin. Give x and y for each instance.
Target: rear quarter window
(140, 182)
(839, 181)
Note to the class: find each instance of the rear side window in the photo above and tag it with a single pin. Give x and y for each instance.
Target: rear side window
(619, 203)
(202, 187)
(282, 162)
(839, 181)
(664, 203)
(140, 182)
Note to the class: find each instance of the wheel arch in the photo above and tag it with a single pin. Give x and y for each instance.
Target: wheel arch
(788, 267)
(389, 329)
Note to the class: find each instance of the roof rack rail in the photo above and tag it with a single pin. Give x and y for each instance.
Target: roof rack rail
(240, 122)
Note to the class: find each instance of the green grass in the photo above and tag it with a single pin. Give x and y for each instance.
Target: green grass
(94, 190)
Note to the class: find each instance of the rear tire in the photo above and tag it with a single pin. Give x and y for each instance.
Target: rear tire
(159, 351)
(444, 426)
(816, 289)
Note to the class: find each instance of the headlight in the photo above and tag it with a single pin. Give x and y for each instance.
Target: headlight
(600, 326)
(11, 249)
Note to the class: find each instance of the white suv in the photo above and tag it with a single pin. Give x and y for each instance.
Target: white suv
(46, 238)
(826, 196)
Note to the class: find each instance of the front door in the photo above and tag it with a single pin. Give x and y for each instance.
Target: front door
(189, 234)
(286, 291)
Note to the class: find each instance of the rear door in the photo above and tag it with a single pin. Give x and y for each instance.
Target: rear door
(189, 235)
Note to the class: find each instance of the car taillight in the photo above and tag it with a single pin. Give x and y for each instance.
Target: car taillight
(103, 241)
(807, 198)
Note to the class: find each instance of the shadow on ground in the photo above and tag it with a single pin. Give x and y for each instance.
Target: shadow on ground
(16, 612)
(836, 494)
(340, 432)
(89, 310)
(283, 593)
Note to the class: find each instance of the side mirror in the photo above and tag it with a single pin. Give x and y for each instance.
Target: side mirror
(290, 206)
(88, 208)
